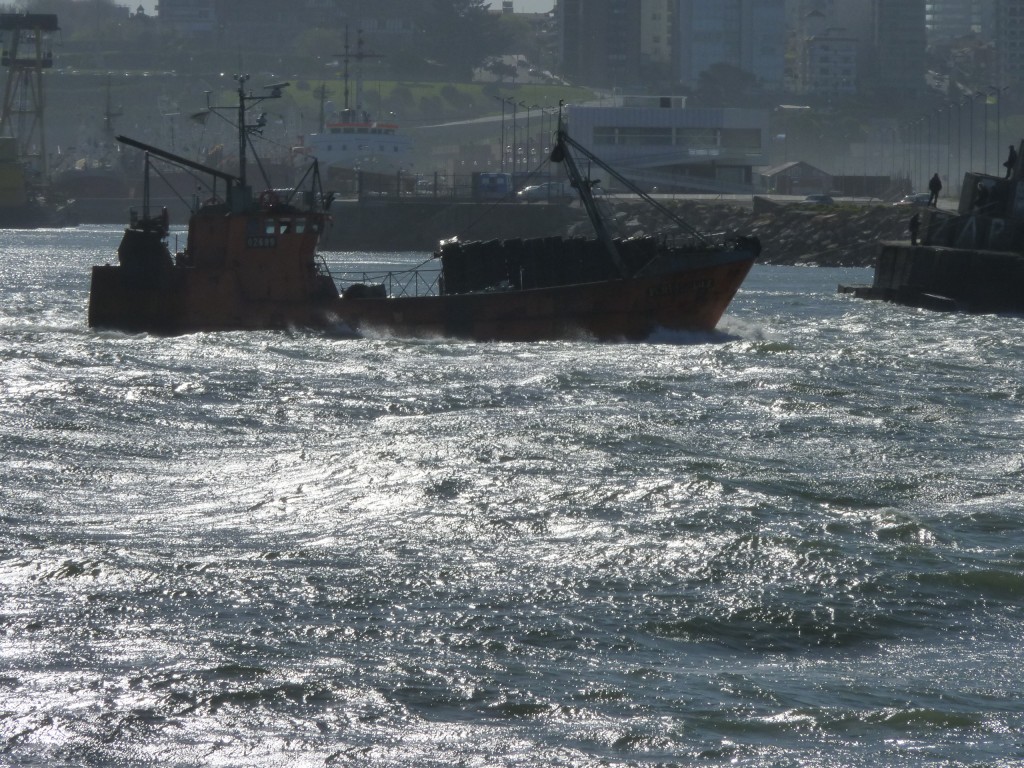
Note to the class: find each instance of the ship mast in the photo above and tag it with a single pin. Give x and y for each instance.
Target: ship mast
(109, 113)
(563, 143)
(239, 195)
(347, 57)
(560, 154)
(243, 136)
(245, 132)
(323, 101)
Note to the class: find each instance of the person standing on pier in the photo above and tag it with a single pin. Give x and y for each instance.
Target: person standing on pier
(1011, 161)
(934, 186)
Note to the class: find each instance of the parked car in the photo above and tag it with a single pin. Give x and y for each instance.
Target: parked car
(550, 190)
(920, 199)
(818, 200)
(492, 186)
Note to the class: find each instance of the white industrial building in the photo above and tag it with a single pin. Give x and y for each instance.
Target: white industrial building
(663, 145)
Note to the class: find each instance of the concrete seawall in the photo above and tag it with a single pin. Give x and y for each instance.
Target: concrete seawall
(947, 278)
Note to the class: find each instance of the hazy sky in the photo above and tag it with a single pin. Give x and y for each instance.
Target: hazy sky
(525, 6)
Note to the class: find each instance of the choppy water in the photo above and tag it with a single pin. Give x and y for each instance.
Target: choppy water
(796, 542)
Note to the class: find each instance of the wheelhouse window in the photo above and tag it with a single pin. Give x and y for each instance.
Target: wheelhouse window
(289, 225)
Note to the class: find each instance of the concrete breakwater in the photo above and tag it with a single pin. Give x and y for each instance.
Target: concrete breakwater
(946, 279)
(833, 236)
(843, 235)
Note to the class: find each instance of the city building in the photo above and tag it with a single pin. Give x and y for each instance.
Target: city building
(656, 21)
(830, 42)
(748, 34)
(1009, 40)
(899, 48)
(600, 42)
(950, 19)
(795, 178)
(188, 17)
(657, 143)
(828, 64)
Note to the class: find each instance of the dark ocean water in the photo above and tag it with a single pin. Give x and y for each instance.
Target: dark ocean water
(795, 542)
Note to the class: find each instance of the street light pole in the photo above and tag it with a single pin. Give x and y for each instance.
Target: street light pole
(970, 132)
(915, 151)
(949, 144)
(926, 150)
(544, 133)
(534, 138)
(515, 140)
(508, 100)
(892, 155)
(926, 127)
(501, 149)
(928, 147)
(998, 93)
(902, 138)
(984, 131)
(960, 141)
(529, 166)
(529, 157)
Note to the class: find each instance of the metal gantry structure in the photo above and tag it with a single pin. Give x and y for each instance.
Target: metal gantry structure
(26, 54)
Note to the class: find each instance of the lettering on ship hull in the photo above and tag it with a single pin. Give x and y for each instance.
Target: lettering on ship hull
(698, 287)
(261, 241)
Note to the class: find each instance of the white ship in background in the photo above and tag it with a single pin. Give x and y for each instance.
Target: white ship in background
(351, 139)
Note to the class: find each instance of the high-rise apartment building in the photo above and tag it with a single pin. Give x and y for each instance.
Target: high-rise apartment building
(656, 24)
(950, 19)
(832, 44)
(827, 64)
(600, 42)
(189, 17)
(1009, 39)
(899, 47)
(807, 17)
(749, 34)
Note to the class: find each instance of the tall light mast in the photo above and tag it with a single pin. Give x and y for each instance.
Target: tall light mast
(26, 53)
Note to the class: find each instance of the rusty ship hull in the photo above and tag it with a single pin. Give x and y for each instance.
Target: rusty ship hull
(674, 294)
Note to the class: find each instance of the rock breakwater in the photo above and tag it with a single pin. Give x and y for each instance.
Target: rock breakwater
(832, 236)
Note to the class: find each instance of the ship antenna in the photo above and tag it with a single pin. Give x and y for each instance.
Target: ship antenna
(347, 57)
(245, 100)
(345, 60)
(323, 103)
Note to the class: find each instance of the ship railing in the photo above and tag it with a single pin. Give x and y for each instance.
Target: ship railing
(399, 284)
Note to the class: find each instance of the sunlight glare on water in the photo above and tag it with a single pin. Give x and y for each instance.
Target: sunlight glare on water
(794, 541)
